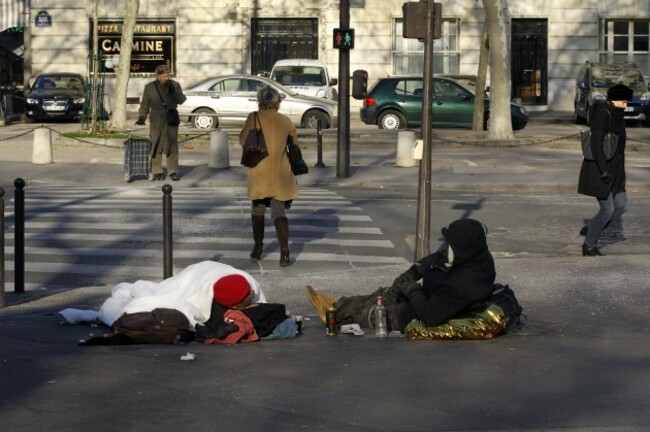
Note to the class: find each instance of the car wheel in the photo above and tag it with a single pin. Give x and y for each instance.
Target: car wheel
(391, 120)
(204, 121)
(311, 118)
(578, 119)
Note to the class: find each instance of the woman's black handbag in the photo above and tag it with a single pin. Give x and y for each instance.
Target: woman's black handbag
(298, 165)
(610, 143)
(255, 146)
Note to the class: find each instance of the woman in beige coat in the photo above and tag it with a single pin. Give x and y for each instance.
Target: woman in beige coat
(271, 183)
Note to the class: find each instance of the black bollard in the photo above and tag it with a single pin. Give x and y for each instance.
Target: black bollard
(2, 248)
(19, 236)
(319, 138)
(167, 232)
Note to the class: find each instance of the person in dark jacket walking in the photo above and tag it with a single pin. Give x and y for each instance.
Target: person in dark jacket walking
(455, 277)
(159, 96)
(600, 178)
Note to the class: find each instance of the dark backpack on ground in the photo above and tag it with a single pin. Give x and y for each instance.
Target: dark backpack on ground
(504, 297)
(160, 326)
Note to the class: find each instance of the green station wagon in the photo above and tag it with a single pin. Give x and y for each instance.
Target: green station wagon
(396, 103)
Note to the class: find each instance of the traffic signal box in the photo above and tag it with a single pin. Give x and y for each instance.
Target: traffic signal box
(343, 39)
(415, 20)
(359, 84)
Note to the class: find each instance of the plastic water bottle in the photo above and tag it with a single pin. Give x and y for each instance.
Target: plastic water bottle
(381, 327)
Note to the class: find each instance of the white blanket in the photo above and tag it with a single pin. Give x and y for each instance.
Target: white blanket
(190, 292)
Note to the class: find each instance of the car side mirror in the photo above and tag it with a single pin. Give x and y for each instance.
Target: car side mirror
(582, 85)
(649, 86)
(334, 81)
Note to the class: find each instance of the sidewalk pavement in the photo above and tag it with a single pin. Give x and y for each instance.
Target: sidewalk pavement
(579, 364)
(529, 163)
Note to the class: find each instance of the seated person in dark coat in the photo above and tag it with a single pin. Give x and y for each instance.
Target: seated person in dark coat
(455, 277)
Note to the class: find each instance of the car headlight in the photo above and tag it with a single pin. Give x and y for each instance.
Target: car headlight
(597, 97)
(523, 110)
(645, 96)
(79, 100)
(321, 93)
(31, 101)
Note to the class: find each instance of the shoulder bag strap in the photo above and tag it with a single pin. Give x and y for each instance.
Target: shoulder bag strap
(257, 120)
(155, 84)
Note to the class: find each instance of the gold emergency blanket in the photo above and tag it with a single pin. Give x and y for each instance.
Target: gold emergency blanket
(474, 326)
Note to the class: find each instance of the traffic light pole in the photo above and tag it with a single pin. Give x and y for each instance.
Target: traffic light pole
(343, 131)
(423, 226)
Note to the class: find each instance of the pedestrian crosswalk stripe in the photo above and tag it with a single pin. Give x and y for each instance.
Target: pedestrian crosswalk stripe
(201, 255)
(294, 240)
(131, 226)
(111, 234)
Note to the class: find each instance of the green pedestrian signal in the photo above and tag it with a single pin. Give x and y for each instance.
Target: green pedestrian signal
(343, 39)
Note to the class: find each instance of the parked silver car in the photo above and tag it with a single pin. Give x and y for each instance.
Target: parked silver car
(227, 101)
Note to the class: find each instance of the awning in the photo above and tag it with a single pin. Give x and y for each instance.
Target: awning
(13, 13)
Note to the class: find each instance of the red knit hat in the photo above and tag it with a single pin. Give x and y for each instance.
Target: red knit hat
(230, 290)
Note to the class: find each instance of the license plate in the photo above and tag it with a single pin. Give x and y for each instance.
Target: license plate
(629, 109)
(54, 108)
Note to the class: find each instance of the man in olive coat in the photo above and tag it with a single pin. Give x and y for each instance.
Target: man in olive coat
(158, 97)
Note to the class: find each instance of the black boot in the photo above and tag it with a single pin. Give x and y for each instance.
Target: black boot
(258, 236)
(282, 231)
(590, 250)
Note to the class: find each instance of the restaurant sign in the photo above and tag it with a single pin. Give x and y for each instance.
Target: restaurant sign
(154, 43)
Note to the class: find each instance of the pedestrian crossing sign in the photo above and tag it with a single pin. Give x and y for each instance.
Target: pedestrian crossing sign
(343, 39)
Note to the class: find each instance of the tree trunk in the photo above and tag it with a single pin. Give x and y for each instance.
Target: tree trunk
(500, 118)
(479, 101)
(118, 118)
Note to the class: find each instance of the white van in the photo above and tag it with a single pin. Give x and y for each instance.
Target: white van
(305, 76)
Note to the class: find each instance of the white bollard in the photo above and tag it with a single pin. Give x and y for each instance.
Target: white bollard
(42, 148)
(405, 145)
(218, 156)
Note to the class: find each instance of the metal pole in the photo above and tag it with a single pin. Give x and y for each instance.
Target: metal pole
(319, 148)
(424, 184)
(343, 131)
(19, 236)
(168, 270)
(2, 248)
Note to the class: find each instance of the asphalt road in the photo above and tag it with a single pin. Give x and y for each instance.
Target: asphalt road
(579, 364)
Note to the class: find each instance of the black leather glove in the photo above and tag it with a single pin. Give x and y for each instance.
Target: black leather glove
(140, 121)
(408, 288)
(405, 279)
(606, 177)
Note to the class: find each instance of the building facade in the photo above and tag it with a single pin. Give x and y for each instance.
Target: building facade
(549, 39)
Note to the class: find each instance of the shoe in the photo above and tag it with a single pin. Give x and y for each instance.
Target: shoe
(151, 177)
(175, 177)
(590, 251)
(320, 302)
(282, 231)
(258, 236)
(584, 230)
(285, 261)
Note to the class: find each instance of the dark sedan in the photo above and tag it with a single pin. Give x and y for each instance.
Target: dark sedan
(56, 96)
